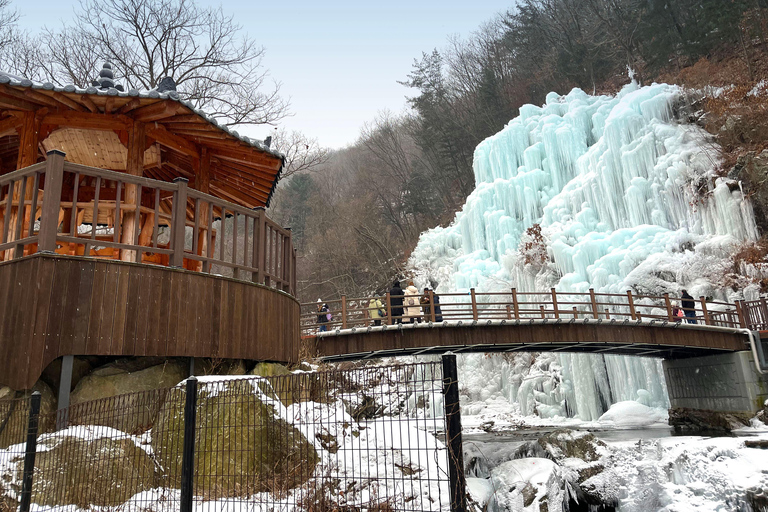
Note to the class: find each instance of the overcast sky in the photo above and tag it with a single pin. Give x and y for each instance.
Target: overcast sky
(338, 61)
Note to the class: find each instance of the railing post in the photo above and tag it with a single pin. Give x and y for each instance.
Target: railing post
(631, 299)
(704, 311)
(554, 303)
(541, 308)
(453, 434)
(179, 221)
(49, 216)
(764, 313)
(390, 321)
(474, 304)
(261, 251)
(509, 312)
(30, 452)
(343, 311)
(668, 304)
(575, 312)
(188, 451)
(593, 298)
(432, 315)
(515, 304)
(287, 261)
(742, 314)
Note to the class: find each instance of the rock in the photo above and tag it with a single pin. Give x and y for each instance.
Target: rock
(205, 366)
(134, 413)
(697, 421)
(241, 447)
(52, 373)
(14, 415)
(523, 483)
(756, 443)
(269, 370)
(563, 444)
(101, 472)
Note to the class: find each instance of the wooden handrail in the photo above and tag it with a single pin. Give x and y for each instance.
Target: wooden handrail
(270, 259)
(480, 306)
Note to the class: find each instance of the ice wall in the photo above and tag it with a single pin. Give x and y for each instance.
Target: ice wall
(626, 197)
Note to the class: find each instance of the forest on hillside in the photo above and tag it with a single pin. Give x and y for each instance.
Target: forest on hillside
(357, 213)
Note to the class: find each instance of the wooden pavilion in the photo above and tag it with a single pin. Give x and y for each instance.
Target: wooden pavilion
(132, 223)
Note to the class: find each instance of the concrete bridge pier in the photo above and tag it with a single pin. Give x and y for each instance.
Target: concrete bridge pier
(728, 382)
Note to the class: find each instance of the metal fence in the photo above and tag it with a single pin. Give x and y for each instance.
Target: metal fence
(368, 438)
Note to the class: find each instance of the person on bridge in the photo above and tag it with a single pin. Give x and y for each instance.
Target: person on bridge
(689, 307)
(323, 316)
(396, 303)
(376, 311)
(413, 311)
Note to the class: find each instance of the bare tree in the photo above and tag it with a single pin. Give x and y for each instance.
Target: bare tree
(302, 153)
(215, 65)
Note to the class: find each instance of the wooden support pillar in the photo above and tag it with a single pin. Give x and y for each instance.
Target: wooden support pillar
(202, 169)
(135, 167)
(27, 155)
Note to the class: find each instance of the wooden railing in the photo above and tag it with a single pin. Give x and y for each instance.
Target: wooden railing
(57, 206)
(347, 313)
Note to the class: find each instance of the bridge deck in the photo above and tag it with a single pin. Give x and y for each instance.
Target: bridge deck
(652, 338)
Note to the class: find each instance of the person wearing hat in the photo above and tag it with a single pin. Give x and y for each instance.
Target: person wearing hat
(376, 311)
(323, 316)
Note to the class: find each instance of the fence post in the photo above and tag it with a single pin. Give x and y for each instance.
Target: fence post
(49, 215)
(631, 305)
(179, 221)
(188, 453)
(515, 304)
(668, 304)
(704, 311)
(453, 434)
(742, 314)
(30, 452)
(432, 316)
(343, 311)
(554, 303)
(592, 297)
(389, 321)
(474, 304)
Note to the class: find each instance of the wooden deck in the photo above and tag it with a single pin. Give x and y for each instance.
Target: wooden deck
(53, 305)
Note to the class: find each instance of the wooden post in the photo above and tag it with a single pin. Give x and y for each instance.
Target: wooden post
(179, 222)
(575, 312)
(432, 315)
(287, 244)
(389, 310)
(509, 312)
(49, 217)
(135, 167)
(554, 303)
(607, 314)
(704, 311)
(343, 311)
(474, 304)
(261, 256)
(592, 297)
(764, 313)
(541, 308)
(742, 314)
(631, 305)
(668, 304)
(515, 304)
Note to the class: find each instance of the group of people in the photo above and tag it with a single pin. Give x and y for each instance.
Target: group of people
(687, 309)
(407, 306)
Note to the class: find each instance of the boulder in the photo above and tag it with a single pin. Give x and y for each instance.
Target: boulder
(205, 366)
(565, 444)
(242, 447)
(698, 421)
(52, 373)
(269, 370)
(288, 389)
(101, 472)
(14, 414)
(134, 413)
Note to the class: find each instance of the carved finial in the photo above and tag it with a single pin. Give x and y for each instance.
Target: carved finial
(106, 79)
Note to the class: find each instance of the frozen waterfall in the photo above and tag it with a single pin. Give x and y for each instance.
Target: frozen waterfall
(627, 198)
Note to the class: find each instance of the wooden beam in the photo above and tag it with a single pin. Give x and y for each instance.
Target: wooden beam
(28, 140)
(88, 121)
(10, 126)
(134, 167)
(156, 111)
(109, 105)
(203, 178)
(204, 134)
(172, 141)
(89, 104)
(134, 103)
(252, 173)
(42, 98)
(232, 194)
(66, 100)
(11, 102)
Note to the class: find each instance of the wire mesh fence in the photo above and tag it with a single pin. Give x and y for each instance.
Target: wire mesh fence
(366, 438)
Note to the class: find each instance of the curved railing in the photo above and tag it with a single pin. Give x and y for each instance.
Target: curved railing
(347, 313)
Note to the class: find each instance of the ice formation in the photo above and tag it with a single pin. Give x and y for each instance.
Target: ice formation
(626, 197)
